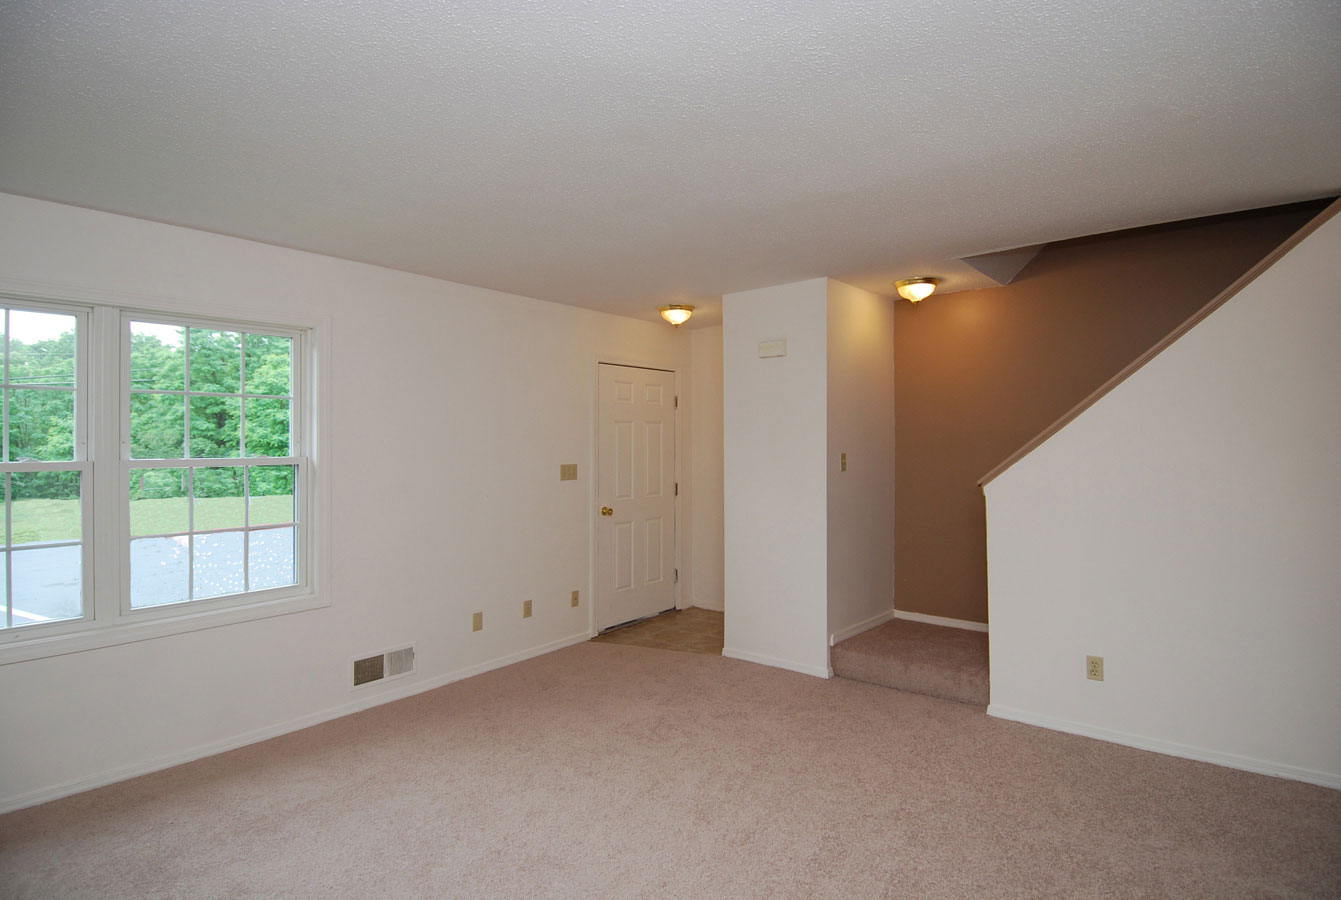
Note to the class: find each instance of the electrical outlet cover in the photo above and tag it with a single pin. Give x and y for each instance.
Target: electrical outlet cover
(1094, 668)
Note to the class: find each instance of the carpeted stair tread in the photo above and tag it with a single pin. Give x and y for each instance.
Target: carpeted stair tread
(950, 663)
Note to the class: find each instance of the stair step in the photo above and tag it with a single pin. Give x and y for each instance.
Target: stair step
(950, 663)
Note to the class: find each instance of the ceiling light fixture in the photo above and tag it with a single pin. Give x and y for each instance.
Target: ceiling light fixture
(677, 314)
(915, 290)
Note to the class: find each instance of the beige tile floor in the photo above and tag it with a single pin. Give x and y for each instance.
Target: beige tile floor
(692, 630)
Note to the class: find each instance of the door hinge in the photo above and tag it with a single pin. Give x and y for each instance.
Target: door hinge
(677, 488)
(677, 576)
(677, 401)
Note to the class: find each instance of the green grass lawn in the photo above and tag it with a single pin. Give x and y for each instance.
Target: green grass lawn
(58, 520)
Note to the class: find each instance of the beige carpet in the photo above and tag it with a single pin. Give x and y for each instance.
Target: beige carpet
(950, 663)
(612, 771)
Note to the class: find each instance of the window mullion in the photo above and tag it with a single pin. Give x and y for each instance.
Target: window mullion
(4, 444)
(186, 391)
(190, 534)
(9, 560)
(242, 397)
(4, 398)
(246, 524)
(100, 384)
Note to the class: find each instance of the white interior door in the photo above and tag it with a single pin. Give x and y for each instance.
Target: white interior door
(635, 493)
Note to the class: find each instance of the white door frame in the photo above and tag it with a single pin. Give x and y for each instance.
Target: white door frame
(593, 517)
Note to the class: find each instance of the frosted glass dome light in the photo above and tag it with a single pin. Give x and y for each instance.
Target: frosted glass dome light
(676, 313)
(915, 290)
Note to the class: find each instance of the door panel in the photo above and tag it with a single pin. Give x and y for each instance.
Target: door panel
(653, 437)
(652, 550)
(623, 550)
(635, 477)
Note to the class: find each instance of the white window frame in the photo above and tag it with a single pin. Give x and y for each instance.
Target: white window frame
(103, 425)
(81, 462)
(297, 458)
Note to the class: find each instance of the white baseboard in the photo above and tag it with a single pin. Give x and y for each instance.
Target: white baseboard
(940, 620)
(1169, 748)
(843, 634)
(765, 660)
(402, 690)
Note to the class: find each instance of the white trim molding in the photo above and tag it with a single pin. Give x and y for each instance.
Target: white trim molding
(843, 634)
(764, 659)
(1169, 748)
(130, 632)
(940, 620)
(368, 701)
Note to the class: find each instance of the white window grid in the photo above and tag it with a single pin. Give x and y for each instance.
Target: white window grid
(297, 399)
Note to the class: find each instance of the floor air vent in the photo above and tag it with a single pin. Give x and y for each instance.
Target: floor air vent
(390, 664)
(399, 662)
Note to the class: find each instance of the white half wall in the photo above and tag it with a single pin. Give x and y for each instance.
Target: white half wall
(450, 409)
(860, 425)
(774, 497)
(1187, 528)
(709, 586)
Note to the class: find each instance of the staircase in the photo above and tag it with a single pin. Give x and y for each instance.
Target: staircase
(950, 663)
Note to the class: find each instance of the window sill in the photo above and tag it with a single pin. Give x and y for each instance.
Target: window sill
(97, 637)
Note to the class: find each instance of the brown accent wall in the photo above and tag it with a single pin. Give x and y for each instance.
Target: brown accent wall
(979, 373)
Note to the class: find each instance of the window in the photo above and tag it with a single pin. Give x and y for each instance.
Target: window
(212, 471)
(204, 429)
(45, 467)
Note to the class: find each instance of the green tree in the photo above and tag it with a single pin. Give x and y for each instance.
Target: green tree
(41, 422)
(216, 367)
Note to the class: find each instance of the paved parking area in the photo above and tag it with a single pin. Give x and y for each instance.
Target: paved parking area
(46, 582)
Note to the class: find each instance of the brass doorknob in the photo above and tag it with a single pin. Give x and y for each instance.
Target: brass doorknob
(607, 511)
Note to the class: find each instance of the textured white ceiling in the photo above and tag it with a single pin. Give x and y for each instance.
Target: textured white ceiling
(619, 155)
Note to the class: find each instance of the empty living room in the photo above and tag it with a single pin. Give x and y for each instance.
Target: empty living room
(663, 450)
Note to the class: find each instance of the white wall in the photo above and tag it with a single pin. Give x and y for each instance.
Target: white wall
(860, 424)
(1187, 528)
(473, 397)
(774, 499)
(706, 417)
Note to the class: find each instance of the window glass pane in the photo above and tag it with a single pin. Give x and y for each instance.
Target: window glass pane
(41, 348)
(158, 570)
(218, 564)
(157, 357)
(271, 558)
(267, 426)
(44, 507)
(47, 584)
(158, 501)
(271, 497)
(269, 364)
(218, 499)
(216, 361)
(157, 426)
(41, 425)
(215, 426)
